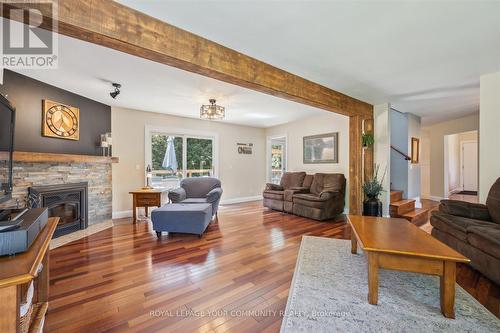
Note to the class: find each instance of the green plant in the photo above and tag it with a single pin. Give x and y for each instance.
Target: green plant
(367, 139)
(373, 187)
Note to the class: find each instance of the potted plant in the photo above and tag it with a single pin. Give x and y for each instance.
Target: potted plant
(372, 188)
(367, 139)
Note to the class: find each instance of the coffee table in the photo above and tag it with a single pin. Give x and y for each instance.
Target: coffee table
(392, 243)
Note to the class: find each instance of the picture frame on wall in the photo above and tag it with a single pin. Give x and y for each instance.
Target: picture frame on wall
(321, 148)
(415, 150)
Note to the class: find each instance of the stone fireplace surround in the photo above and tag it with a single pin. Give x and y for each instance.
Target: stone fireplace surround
(38, 169)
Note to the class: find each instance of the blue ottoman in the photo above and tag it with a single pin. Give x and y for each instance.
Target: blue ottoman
(185, 218)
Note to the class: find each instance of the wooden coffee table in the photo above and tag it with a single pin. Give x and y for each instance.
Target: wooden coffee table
(392, 243)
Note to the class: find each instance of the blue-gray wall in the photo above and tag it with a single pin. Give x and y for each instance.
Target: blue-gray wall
(399, 139)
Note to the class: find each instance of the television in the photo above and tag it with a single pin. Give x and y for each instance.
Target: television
(7, 120)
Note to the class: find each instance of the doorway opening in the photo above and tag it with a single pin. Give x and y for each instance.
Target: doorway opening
(461, 162)
(276, 158)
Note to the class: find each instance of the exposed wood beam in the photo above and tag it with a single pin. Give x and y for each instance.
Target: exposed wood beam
(116, 26)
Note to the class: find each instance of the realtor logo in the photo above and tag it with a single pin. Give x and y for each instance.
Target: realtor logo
(27, 45)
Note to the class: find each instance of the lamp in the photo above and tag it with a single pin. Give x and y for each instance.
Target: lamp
(212, 111)
(149, 176)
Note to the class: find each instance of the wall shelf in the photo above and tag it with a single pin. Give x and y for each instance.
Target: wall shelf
(35, 157)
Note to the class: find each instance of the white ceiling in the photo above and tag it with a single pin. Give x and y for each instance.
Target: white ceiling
(424, 57)
(88, 70)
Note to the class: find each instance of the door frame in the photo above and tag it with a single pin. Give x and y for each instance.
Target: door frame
(462, 163)
(269, 150)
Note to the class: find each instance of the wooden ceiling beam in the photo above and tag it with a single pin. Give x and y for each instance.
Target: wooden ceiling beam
(116, 26)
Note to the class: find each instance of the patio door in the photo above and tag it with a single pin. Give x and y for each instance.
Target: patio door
(276, 158)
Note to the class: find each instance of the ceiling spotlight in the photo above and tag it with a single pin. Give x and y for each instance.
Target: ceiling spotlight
(117, 90)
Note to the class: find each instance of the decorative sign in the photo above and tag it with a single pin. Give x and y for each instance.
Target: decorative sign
(60, 121)
(322, 148)
(245, 148)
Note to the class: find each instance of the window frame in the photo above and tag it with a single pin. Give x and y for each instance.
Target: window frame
(149, 130)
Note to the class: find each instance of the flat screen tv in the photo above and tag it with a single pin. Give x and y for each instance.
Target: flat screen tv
(7, 119)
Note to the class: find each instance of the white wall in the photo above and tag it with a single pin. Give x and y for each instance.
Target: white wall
(489, 138)
(321, 124)
(452, 163)
(382, 149)
(433, 136)
(242, 176)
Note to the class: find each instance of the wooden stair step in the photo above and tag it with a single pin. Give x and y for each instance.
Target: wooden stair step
(400, 207)
(418, 216)
(396, 196)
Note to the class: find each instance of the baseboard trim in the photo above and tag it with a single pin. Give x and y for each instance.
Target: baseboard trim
(121, 214)
(240, 200)
(432, 197)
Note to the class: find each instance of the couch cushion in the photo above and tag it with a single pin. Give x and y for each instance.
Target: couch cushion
(194, 200)
(493, 201)
(309, 200)
(292, 179)
(308, 181)
(486, 239)
(455, 225)
(276, 195)
(330, 181)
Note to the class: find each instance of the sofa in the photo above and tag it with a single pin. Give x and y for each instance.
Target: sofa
(198, 190)
(320, 196)
(279, 197)
(473, 230)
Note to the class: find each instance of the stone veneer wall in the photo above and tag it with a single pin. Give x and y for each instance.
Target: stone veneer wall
(98, 176)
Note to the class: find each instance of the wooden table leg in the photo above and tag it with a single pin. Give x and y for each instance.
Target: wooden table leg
(134, 210)
(447, 289)
(354, 243)
(372, 278)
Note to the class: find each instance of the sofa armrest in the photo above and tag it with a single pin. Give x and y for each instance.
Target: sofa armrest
(273, 187)
(465, 209)
(214, 195)
(177, 195)
(327, 194)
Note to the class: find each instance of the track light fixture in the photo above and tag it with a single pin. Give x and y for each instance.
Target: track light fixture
(117, 90)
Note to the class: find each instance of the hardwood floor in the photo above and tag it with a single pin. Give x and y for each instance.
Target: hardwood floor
(124, 279)
(112, 281)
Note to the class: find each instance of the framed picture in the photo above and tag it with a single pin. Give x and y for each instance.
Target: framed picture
(322, 148)
(415, 150)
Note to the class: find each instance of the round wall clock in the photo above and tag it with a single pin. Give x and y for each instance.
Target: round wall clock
(61, 121)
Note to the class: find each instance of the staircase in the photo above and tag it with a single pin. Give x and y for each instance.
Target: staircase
(405, 208)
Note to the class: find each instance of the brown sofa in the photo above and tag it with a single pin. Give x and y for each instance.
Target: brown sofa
(319, 197)
(473, 230)
(279, 197)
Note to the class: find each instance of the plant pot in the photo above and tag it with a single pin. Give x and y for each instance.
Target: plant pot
(372, 207)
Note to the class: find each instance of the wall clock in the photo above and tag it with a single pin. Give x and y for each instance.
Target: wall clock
(60, 121)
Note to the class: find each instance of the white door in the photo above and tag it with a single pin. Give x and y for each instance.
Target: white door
(469, 166)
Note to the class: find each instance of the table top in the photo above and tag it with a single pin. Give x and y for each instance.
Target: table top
(148, 190)
(22, 267)
(398, 236)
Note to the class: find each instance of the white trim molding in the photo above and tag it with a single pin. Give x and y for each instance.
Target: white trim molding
(121, 214)
(240, 200)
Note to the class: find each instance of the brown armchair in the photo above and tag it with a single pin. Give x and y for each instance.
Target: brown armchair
(325, 199)
(279, 197)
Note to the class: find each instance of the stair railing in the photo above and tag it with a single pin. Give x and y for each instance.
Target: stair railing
(406, 157)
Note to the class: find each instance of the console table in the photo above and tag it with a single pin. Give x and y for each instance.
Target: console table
(20, 269)
(147, 198)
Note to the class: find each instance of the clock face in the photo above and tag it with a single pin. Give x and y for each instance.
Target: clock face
(60, 121)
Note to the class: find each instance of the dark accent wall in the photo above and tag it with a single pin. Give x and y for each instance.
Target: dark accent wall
(26, 95)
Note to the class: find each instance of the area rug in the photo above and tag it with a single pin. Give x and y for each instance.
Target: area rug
(329, 294)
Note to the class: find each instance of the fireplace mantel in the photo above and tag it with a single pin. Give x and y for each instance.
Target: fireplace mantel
(34, 157)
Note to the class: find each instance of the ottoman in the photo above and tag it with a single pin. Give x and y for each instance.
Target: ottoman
(184, 218)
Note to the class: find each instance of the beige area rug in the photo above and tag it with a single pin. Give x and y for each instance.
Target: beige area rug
(91, 229)
(329, 294)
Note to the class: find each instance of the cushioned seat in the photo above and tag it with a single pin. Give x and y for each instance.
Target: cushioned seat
(190, 218)
(198, 190)
(485, 239)
(274, 194)
(194, 200)
(455, 225)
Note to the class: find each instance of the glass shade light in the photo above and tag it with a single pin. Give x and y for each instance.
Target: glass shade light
(212, 111)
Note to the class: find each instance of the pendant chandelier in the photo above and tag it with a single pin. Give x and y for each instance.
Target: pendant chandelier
(212, 111)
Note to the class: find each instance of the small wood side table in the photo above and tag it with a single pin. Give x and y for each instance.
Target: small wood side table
(147, 198)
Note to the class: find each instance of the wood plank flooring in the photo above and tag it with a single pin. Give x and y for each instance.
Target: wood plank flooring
(235, 279)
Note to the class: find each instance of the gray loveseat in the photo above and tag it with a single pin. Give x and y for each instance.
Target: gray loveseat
(198, 190)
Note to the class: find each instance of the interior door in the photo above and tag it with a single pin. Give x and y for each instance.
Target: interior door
(278, 159)
(469, 166)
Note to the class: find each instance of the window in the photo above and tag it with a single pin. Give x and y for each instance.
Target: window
(176, 156)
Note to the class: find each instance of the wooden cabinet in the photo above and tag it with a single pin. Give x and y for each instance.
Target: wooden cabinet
(17, 271)
(147, 198)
